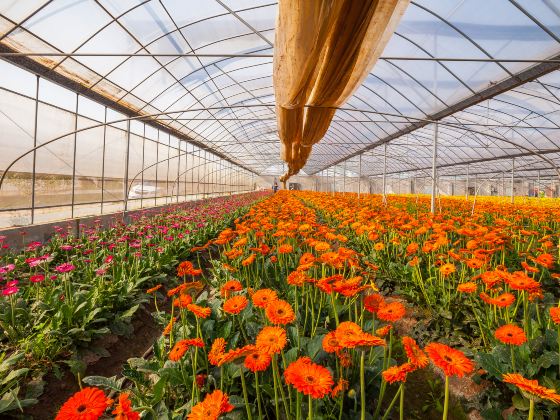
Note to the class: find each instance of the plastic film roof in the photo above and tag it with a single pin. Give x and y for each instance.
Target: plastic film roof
(226, 101)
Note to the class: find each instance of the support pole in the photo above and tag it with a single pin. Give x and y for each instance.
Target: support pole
(434, 171)
(74, 157)
(333, 181)
(503, 184)
(33, 176)
(512, 177)
(467, 185)
(344, 179)
(125, 192)
(359, 177)
(385, 173)
(539, 183)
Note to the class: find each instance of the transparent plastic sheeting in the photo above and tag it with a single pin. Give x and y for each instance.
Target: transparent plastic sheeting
(103, 169)
(227, 103)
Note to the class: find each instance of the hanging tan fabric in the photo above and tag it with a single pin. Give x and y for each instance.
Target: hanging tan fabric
(323, 51)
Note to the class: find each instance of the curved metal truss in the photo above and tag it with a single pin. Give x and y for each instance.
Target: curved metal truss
(488, 71)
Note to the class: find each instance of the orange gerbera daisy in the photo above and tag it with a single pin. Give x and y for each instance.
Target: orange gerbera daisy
(391, 312)
(154, 289)
(330, 343)
(261, 298)
(528, 268)
(230, 287)
(178, 350)
(415, 354)
(321, 246)
(271, 340)
(451, 361)
(383, 331)
(235, 354)
(182, 301)
(214, 405)
(531, 387)
(297, 278)
(185, 268)
(217, 351)
(280, 312)
(306, 259)
(249, 260)
(341, 386)
(511, 334)
(504, 300)
(169, 327)
(257, 361)
(350, 335)
(555, 315)
(123, 410)
(379, 246)
(199, 311)
(520, 281)
(545, 260)
(235, 304)
(285, 249)
(468, 287)
(397, 373)
(175, 290)
(88, 404)
(447, 269)
(372, 303)
(412, 248)
(474, 263)
(309, 378)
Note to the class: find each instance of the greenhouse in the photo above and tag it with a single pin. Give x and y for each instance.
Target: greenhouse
(291, 209)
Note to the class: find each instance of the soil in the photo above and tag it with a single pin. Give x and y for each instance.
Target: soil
(120, 349)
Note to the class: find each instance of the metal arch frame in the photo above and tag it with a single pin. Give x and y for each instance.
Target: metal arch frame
(198, 59)
(127, 31)
(479, 161)
(444, 123)
(463, 104)
(437, 16)
(453, 115)
(142, 46)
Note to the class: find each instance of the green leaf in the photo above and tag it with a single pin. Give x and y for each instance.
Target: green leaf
(111, 383)
(158, 390)
(315, 346)
(547, 359)
(13, 375)
(128, 313)
(225, 330)
(520, 403)
(491, 364)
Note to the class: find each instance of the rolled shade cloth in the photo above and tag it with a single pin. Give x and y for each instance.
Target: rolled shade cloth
(323, 51)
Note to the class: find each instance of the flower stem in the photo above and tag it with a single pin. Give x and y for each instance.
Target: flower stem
(446, 400)
(258, 394)
(245, 397)
(401, 403)
(531, 409)
(393, 401)
(362, 385)
(310, 414)
(277, 375)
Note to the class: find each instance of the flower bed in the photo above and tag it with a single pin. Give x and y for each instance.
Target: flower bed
(61, 295)
(292, 324)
